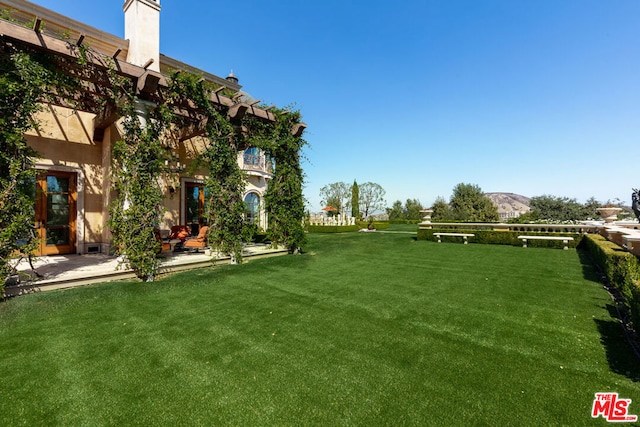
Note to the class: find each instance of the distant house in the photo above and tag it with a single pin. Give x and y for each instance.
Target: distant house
(75, 145)
(509, 205)
(506, 213)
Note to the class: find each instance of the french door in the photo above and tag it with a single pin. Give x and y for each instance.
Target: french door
(194, 203)
(56, 197)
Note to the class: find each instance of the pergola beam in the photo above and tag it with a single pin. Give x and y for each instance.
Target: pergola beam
(191, 131)
(298, 128)
(147, 81)
(55, 46)
(105, 118)
(237, 112)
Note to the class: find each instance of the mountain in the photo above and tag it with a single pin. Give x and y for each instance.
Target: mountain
(510, 205)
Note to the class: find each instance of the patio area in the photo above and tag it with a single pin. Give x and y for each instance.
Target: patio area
(67, 271)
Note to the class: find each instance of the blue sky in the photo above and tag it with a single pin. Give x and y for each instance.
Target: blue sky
(532, 97)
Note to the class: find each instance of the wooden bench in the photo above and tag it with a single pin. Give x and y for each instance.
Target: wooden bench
(564, 239)
(463, 235)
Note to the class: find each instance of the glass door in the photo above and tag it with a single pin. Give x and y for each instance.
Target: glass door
(194, 206)
(56, 212)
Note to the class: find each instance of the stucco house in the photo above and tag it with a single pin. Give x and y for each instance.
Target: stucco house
(75, 145)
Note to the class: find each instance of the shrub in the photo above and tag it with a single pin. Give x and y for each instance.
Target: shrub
(634, 302)
(621, 268)
(500, 237)
(332, 228)
(378, 225)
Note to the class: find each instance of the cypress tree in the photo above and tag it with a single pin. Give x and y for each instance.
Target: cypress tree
(355, 200)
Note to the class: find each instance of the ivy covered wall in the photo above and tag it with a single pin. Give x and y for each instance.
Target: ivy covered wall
(139, 159)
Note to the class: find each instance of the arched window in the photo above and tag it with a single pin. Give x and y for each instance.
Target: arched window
(252, 208)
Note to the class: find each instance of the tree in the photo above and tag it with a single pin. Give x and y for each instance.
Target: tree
(590, 208)
(441, 210)
(468, 203)
(396, 211)
(548, 207)
(335, 195)
(553, 208)
(371, 198)
(412, 208)
(355, 200)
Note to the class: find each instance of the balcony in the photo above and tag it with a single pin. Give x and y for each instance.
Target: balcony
(256, 163)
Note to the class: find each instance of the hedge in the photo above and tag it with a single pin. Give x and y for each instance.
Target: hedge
(621, 268)
(501, 237)
(378, 225)
(331, 228)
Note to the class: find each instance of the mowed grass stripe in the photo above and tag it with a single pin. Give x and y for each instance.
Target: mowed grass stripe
(363, 329)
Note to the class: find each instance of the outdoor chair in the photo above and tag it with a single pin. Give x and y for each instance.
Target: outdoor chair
(199, 242)
(164, 246)
(180, 232)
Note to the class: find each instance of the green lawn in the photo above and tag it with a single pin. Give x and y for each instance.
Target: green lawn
(362, 329)
(403, 227)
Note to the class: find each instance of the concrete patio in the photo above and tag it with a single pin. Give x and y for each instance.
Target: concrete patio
(68, 271)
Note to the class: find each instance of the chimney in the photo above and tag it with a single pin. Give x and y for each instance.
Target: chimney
(142, 29)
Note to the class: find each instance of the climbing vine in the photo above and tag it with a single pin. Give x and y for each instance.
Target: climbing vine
(284, 199)
(28, 79)
(138, 164)
(225, 182)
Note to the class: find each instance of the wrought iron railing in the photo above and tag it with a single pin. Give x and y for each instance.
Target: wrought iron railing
(257, 162)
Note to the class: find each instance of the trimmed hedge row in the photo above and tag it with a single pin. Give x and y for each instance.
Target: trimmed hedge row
(378, 225)
(502, 237)
(331, 228)
(405, 221)
(621, 269)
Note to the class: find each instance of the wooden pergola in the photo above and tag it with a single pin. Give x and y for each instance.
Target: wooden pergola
(95, 83)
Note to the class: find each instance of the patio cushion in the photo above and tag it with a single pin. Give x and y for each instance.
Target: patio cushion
(180, 232)
(199, 242)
